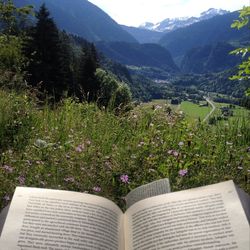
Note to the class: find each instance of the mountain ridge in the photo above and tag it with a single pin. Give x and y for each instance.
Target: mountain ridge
(213, 30)
(170, 24)
(151, 55)
(82, 18)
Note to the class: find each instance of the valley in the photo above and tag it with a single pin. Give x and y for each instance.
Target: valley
(161, 60)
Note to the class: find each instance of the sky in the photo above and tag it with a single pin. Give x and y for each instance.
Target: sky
(136, 12)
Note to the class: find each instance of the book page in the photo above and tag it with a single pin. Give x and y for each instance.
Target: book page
(209, 217)
(60, 220)
(145, 191)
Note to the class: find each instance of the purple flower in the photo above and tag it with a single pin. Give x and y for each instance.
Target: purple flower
(183, 172)
(124, 178)
(173, 153)
(80, 148)
(7, 168)
(21, 180)
(97, 189)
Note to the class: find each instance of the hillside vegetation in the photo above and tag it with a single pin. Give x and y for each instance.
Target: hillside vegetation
(77, 146)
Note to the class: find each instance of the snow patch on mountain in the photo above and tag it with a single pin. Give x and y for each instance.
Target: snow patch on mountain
(170, 24)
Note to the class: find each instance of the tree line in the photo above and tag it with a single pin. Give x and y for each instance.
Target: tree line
(34, 52)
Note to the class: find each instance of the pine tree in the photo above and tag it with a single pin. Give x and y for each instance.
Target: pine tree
(47, 68)
(88, 84)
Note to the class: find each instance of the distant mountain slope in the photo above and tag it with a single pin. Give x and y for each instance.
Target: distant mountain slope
(144, 35)
(210, 31)
(151, 55)
(82, 18)
(209, 58)
(170, 24)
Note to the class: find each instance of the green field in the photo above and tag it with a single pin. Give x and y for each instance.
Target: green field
(193, 111)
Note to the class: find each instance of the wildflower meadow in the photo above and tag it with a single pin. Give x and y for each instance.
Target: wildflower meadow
(80, 147)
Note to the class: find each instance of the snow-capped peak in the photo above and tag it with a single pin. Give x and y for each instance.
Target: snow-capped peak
(170, 24)
(212, 12)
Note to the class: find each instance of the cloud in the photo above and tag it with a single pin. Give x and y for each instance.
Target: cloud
(135, 12)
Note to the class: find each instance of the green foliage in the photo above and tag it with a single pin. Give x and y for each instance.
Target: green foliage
(15, 120)
(11, 55)
(243, 18)
(13, 18)
(244, 67)
(12, 37)
(122, 96)
(112, 93)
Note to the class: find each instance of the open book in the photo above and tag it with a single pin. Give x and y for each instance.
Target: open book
(210, 217)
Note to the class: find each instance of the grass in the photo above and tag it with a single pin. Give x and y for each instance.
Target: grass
(194, 111)
(238, 112)
(79, 147)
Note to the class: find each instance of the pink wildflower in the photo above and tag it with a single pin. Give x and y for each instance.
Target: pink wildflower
(173, 153)
(124, 178)
(80, 148)
(21, 180)
(183, 172)
(8, 169)
(97, 189)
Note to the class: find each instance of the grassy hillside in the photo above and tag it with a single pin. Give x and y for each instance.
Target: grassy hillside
(79, 147)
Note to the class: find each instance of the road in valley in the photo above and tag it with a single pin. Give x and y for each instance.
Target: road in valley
(213, 108)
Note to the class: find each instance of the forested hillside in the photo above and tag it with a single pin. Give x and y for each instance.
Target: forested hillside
(151, 55)
(53, 63)
(82, 18)
(214, 30)
(210, 58)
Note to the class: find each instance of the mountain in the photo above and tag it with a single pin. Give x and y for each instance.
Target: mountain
(170, 24)
(150, 55)
(210, 31)
(82, 18)
(209, 58)
(143, 35)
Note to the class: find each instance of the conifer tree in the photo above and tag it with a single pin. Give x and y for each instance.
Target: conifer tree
(88, 83)
(47, 68)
